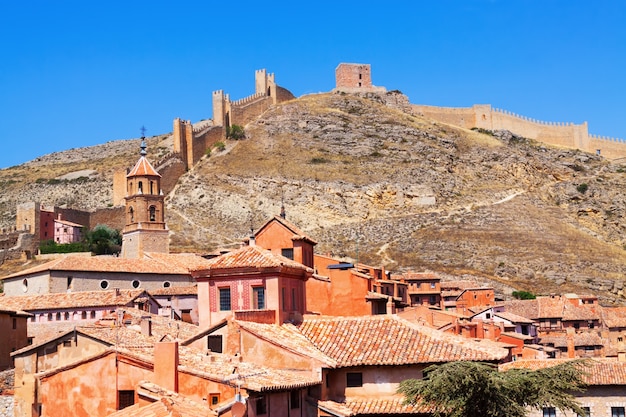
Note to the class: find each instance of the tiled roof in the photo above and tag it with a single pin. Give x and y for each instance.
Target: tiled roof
(613, 317)
(143, 168)
(550, 307)
(177, 264)
(167, 404)
(67, 223)
(597, 371)
(581, 312)
(73, 299)
(580, 339)
(459, 285)
(287, 336)
(253, 257)
(512, 317)
(189, 290)
(375, 406)
(523, 308)
(390, 340)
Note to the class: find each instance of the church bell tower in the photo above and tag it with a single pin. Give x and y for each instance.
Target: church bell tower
(145, 229)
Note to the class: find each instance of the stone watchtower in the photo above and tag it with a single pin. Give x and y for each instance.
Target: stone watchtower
(145, 229)
(355, 78)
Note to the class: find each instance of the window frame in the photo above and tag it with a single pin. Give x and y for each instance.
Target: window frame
(223, 299)
(354, 379)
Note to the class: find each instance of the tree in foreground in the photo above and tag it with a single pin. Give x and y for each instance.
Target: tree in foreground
(104, 240)
(475, 389)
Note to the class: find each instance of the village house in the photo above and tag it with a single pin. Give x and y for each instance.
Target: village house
(179, 303)
(360, 360)
(81, 306)
(13, 328)
(605, 394)
(424, 288)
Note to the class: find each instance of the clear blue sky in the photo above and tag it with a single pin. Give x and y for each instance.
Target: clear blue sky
(80, 73)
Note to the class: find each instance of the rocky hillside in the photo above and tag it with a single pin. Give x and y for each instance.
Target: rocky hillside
(371, 181)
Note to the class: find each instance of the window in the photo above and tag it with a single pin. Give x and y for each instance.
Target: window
(258, 298)
(287, 253)
(67, 315)
(151, 187)
(25, 285)
(432, 300)
(215, 399)
(354, 379)
(576, 325)
(14, 323)
(261, 405)
(152, 213)
(620, 339)
(294, 399)
(587, 412)
(224, 299)
(125, 399)
(167, 284)
(488, 315)
(131, 215)
(67, 343)
(617, 412)
(136, 283)
(284, 301)
(104, 284)
(49, 316)
(140, 187)
(83, 315)
(58, 318)
(215, 343)
(549, 412)
(69, 282)
(432, 285)
(294, 304)
(93, 314)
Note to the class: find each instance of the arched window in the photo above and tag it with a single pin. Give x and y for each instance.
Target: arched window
(151, 187)
(131, 215)
(152, 213)
(140, 187)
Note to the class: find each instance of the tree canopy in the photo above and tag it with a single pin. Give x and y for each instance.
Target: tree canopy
(475, 389)
(104, 240)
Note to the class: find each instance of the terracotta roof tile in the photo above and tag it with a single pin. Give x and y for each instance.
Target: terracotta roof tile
(143, 168)
(614, 317)
(375, 406)
(253, 257)
(597, 371)
(514, 318)
(189, 290)
(580, 339)
(389, 340)
(73, 299)
(181, 264)
(581, 312)
(524, 308)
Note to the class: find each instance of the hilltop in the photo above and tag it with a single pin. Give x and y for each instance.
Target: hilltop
(370, 181)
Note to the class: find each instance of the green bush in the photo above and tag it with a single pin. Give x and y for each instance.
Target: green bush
(523, 295)
(582, 188)
(235, 132)
(219, 146)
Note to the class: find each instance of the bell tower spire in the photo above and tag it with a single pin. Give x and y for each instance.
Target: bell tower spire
(145, 229)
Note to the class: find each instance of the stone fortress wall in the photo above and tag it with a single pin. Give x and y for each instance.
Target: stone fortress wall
(568, 135)
(357, 78)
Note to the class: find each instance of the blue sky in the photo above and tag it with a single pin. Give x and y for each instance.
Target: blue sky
(81, 73)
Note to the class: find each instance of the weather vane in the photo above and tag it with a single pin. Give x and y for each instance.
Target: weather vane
(143, 131)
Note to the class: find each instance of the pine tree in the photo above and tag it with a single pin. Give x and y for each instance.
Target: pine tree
(474, 389)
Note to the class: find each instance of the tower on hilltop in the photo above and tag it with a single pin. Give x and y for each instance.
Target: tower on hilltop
(145, 229)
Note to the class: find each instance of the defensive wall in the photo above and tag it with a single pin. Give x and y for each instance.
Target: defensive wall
(568, 135)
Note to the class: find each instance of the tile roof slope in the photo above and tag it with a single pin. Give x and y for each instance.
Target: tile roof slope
(523, 308)
(187, 290)
(253, 256)
(597, 371)
(368, 406)
(168, 404)
(288, 336)
(581, 312)
(390, 340)
(550, 307)
(614, 316)
(580, 339)
(104, 264)
(512, 317)
(143, 167)
(72, 299)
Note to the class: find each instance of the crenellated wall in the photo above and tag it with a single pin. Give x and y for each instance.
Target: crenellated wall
(554, 133)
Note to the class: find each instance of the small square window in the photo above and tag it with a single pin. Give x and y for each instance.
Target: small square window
(215, 399)
(617, 412)
(354, 379)
(549, 412)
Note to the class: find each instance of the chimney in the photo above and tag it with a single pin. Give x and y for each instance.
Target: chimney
(117, 292)
(252, 241)
(166, 365)
(146, 326)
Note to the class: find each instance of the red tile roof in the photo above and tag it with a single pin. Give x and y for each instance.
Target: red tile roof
(613, 317)
(513, 318)
(580, 339)
(143, 168)
(390, 340)
(597, 371)
(581, 312)
(177, 264)
(73, 299)
(375, 406)
(253, 257)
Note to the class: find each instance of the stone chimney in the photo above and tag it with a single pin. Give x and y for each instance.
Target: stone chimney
(146, 326)
(166, 365)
